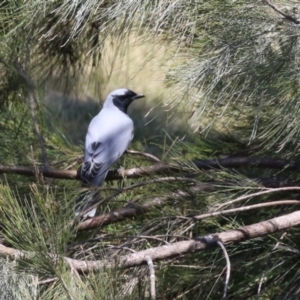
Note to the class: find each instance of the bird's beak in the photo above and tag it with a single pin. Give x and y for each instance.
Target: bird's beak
(138, 96)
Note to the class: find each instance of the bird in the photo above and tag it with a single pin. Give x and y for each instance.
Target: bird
(108, 136)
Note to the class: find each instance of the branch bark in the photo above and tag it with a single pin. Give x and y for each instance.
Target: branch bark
(176, 249)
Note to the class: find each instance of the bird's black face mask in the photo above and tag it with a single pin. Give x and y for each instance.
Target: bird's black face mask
(122, 102)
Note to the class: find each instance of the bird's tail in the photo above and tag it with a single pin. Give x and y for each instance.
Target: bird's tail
(85, 200)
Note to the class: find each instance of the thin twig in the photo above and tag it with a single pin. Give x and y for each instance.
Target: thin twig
(45, 281)
(281, 189)
(288, 17)
(245, 208)
(152, 277)
(147, 155)
(228, 268)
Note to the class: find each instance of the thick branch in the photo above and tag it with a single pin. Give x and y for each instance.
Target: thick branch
(179, 248)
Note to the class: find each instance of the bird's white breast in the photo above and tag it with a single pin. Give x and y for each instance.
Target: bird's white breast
(113, 128)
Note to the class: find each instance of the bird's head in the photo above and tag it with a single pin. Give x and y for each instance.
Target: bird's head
(121, 99)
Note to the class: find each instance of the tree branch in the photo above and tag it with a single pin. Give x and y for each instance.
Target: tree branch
(176, 249)
(156, 169)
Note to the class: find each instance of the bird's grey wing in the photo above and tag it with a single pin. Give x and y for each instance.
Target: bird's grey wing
(97, 160)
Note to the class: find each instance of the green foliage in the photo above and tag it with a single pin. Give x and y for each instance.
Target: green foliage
(244, 69)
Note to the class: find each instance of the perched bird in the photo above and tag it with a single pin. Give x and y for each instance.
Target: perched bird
(108, 136)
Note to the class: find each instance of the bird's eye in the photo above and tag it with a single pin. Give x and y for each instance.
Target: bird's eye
(121, 97)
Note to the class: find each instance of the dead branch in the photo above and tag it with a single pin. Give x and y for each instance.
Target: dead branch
(288, 17)
(176, 249)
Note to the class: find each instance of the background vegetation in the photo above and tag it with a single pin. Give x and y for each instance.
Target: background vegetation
(222, 81)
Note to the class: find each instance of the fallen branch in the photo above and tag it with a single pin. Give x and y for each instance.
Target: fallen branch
(176, 249)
